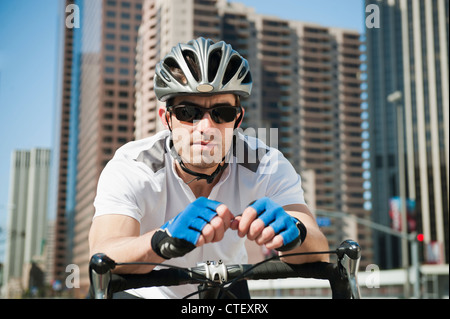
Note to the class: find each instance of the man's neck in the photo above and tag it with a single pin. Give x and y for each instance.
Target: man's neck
(199, 187)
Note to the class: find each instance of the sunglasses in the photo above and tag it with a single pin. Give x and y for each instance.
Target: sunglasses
(219, 114)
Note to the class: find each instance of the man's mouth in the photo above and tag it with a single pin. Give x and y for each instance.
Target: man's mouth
(205, 144)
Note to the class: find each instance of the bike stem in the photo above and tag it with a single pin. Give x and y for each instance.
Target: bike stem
(349, 255)
(213, 271)
(100, 267)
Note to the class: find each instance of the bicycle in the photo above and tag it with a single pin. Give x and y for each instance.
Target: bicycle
(217, 277)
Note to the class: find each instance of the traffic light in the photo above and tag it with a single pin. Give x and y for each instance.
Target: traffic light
(420, 237)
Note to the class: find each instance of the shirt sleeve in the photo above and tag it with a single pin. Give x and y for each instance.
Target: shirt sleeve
(284, 184)
(117, 191)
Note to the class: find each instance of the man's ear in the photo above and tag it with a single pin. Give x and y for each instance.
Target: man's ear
(240, 118)
(164, 116)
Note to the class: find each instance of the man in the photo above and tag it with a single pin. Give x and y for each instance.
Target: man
(195, 191)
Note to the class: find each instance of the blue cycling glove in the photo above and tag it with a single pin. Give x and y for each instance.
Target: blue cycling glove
(179, 235)
(290, 228)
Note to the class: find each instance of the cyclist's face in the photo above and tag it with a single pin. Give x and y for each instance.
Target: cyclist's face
(204, 140)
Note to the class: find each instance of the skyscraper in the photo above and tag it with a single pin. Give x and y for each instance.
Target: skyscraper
(67, 126)
(27, 217)
(408, 54)
(97, 115)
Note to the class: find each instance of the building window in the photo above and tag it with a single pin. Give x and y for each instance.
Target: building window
(125, 38)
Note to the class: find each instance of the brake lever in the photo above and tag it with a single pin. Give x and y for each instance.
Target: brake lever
(100, 267)
(349, 255)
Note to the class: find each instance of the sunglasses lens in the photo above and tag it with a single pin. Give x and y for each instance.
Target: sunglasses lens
(223, 114)
(188, 113)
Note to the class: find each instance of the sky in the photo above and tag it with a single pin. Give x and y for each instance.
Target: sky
(28, 67)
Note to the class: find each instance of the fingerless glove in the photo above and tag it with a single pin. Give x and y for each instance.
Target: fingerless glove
(179, 235)
(290, 228)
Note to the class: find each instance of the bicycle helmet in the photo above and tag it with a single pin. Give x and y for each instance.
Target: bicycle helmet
(202, 67)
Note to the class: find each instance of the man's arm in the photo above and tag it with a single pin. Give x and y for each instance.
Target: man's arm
(118, 237)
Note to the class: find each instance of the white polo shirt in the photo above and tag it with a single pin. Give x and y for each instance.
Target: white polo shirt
(140, 181)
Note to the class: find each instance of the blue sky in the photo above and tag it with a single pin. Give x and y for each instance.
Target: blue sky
(27, 70)
(28, 60)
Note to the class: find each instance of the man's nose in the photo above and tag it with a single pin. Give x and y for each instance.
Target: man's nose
(205, 122)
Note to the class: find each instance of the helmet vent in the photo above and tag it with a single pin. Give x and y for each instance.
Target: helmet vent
(247, 79)
(232, 68)
(172, 66)
(192, 63)
(160, 82)
(214, 63)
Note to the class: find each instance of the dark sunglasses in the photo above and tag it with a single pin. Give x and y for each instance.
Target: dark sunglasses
(219, 114)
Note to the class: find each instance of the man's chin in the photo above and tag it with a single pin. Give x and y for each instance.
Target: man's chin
(203, 163)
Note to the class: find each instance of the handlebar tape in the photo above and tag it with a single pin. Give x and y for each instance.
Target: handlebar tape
(320, 270)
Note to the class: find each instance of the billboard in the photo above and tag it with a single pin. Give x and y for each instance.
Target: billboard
(395, 212)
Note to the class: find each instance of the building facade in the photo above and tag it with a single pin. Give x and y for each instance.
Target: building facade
(27, 217)
(97, 116)
(408, 54)
(59, 255)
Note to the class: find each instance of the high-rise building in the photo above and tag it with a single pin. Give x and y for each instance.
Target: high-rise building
(326, 113)
(97, 115)
(27, 217)
(59, 255)
(408, 54)
(306, 85)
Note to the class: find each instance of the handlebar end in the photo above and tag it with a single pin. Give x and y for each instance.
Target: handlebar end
(350, 248)
(101, 263)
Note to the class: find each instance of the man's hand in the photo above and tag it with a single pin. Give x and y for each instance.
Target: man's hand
(268, 224)
(203, 221)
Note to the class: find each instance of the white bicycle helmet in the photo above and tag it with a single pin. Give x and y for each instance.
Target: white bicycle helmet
(202, 67)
